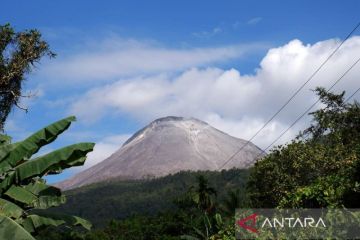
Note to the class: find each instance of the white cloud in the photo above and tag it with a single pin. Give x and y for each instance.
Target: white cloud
(235, 103)
(104, 149)
(207, 34)
(254, 21)
(115, 58)
(246, 128)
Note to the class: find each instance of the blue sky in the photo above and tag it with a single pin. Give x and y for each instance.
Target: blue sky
(121, 64)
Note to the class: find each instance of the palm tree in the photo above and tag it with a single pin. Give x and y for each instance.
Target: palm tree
(203, 195)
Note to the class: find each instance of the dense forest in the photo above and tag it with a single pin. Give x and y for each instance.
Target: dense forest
(163, 208)
(102, 202)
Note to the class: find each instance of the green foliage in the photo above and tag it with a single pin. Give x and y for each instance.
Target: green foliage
(166, 226)
(203, 195)
(227, 232)
(320, 168)
(234, 199)
(10, 229)
(180, 216)
(19, 51)
(162, 226)
(119, 199)
(22, 188)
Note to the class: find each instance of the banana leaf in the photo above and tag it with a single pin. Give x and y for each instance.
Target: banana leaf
(11, 156)
(5, 149)
(70, 156)
(40, 188)
(48, 196)
(33, 222)
(21, 195)
(41, 200)
(45, 202)
(6, 180)
(4, 139)
(10, 209)
(11, 230)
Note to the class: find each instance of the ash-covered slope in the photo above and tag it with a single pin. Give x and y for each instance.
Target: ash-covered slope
(168, 145)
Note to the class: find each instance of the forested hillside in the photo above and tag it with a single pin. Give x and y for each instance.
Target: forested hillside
(104, 201)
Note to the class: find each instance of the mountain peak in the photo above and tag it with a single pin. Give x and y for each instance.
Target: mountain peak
(169, 118)
(177, 119)
(169, 121)
(168, 145)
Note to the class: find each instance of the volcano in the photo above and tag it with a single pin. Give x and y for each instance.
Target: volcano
(166, 146)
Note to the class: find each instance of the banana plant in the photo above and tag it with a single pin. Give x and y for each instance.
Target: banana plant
(23, 189)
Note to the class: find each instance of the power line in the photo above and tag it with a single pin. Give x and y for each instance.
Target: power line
(313, 105)
(353, 94)
(292, 97)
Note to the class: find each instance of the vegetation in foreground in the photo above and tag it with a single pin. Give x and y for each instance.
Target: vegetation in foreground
(22, 188)
(320, 168)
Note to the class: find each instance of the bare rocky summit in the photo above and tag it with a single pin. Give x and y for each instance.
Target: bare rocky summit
(168, 145)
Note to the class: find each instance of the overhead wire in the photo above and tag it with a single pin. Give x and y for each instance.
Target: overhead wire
(292, 96)
(310, 107)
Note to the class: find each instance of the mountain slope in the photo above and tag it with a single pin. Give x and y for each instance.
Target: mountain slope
(168, 145)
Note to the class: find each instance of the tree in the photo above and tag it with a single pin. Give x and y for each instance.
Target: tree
(22, 188)
(203, 195)
(19, 52)
(320, 168)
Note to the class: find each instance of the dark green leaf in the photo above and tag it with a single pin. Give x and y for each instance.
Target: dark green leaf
(25, 149)
(9, 229)
(74, 155)
(10, 209)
